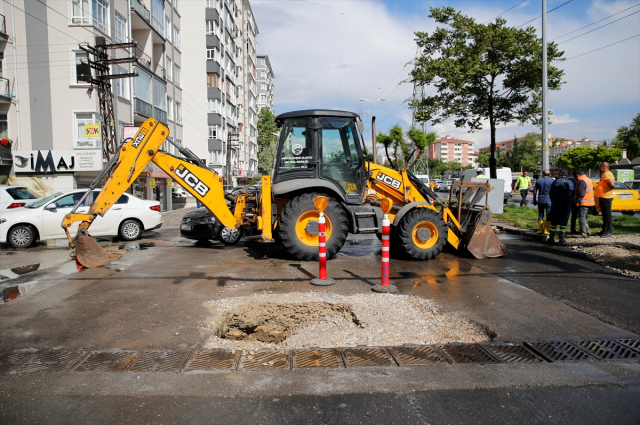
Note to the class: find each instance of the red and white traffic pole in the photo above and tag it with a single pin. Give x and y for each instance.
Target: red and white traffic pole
(384, 286)
(321, 203)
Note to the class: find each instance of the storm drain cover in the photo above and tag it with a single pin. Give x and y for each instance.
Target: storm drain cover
(158, 361)
(415, 355)
(466, 354)
(50, 362)
(513, 354)
(316, 358)
(560, 351)
(9, 361)
(607, 350)
(633, 343)
(265, 360)
(367, 357)
(107, 361)
(212, 360)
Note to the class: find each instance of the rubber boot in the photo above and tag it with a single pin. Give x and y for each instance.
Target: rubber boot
(561, 239)
(550, 239)
(547, 226)
(540, 227)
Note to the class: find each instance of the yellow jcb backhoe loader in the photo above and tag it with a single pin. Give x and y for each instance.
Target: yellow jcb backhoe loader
(320, 152)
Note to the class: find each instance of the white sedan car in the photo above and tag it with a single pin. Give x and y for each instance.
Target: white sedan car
(41, 220)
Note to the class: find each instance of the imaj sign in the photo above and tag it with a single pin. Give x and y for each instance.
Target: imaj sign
(53, 161)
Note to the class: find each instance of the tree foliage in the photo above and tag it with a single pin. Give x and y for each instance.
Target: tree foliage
(267, 140)
(629, 138)
(395, 141)
(524, 155)
(585, 157)
(482, 73)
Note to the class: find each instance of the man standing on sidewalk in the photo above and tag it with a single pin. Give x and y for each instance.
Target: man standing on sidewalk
(575, 211)
(585, 201)
(524, 184)
(604, 192)
(562, 198)
(542, 199)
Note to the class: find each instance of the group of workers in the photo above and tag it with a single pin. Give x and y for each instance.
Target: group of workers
(569, 196)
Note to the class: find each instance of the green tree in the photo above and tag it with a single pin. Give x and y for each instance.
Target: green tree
(605, 154)
(482, 73)
(629, 138)
(525, 154)
(395, 142)
(267, 140)
(585, 157)
(483, 159)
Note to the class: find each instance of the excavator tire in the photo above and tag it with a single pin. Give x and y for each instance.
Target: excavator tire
(421, 234)
(294, 227)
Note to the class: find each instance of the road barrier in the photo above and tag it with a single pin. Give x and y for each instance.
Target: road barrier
(384, 286)
(321, 203)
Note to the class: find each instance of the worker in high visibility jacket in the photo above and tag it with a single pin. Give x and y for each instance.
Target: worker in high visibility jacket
(585, 201)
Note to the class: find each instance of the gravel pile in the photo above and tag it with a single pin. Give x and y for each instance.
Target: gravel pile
(619, 253)
(382, 319)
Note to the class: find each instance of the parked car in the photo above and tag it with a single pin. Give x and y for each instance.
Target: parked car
(15, 197)
(227, 188)
(633, 184)
(625, 200)
(41, 220)
(201, 225)
(437, 186)
(445, 186)
(179, 192)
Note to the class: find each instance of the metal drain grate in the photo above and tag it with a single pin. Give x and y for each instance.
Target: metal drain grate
(50, 362)
(415, 355)
(633, 343)
(158, 361)
(367, 357)
(560, 351)
(512, 354)
(265, 360)
(607, 350)
(316, 358)
(466, 354)
(9, 361)
(212, 360)
(107, 361)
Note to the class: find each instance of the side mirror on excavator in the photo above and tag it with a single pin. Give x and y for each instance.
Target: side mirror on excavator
(370, 157)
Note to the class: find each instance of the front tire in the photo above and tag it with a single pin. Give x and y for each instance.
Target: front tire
(300, 239)
(130, 230)
(230, 236)
(21, 237)
(422, 234)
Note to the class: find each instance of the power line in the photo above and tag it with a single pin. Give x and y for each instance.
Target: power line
(600, 48)
(593, 23)
(513, 7)
(40, 20)
(539, 16)
(596, 29)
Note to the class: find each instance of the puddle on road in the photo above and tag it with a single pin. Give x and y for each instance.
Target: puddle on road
(135, 246)
(10, 290)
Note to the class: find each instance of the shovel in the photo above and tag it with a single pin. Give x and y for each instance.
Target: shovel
(90, 254)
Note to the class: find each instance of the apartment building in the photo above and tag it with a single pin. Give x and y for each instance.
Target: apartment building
(220, 44)
(45, 108)
(450, 149)
(265, 83)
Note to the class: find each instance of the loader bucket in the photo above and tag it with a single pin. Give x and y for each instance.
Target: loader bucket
(480, 239)
(90, 254)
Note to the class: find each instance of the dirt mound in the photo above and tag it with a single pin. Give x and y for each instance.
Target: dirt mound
(273, 322)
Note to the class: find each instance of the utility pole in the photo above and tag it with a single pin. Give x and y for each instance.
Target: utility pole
(99, 61)
(545, 130)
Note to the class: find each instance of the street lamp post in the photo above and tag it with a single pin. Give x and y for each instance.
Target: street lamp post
(373, 128)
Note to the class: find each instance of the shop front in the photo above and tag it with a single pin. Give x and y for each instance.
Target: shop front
(154, 184)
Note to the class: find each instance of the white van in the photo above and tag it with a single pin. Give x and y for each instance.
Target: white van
(503, 173)
(423, 178)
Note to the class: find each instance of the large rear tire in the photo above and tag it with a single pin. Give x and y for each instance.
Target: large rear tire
(301, 239)
(421, 234)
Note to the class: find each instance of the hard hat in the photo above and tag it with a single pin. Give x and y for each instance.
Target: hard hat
(480, 170)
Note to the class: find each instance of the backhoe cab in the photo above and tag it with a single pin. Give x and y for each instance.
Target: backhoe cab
(320, 152)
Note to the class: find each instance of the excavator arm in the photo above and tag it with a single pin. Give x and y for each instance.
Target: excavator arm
(132, 158)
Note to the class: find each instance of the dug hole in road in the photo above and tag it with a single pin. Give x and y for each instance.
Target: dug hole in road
(169, 295)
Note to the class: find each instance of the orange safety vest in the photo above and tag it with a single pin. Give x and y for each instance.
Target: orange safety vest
(588, 200)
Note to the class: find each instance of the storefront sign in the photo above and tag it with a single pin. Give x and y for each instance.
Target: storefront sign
(169, 182)
(152, 182)
(92, 130)
(48, 161)
(129, 132)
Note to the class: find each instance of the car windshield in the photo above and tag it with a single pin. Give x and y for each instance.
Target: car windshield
(620, 185)
(43, 201)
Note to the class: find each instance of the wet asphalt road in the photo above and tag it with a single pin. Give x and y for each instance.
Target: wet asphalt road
(154, 298)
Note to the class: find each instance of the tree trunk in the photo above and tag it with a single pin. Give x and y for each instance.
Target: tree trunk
(492, 159)
(386, 151)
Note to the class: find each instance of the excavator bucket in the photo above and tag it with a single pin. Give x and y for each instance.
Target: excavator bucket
(480, 239)
(90, 254)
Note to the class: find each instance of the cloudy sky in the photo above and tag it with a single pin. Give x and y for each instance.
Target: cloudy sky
(331, 53)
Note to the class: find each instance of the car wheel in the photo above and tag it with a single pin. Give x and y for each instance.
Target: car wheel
(21, 237)
(230, 236)
(130, 230)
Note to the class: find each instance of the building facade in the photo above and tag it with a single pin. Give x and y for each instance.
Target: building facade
(220, 45)
(450, 149)
(265, 83)
(44, 105)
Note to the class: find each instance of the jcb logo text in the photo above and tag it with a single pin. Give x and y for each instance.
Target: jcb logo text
(389, 180)
(191, 180)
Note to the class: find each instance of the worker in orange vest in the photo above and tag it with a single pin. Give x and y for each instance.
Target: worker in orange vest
(585, 201)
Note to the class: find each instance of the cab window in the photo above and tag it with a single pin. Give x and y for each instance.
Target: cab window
(297, 146)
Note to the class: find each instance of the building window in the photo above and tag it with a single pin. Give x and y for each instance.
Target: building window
(176, 5)
(170, 108)
(212, 27)
(167, 28)
(101, 15)
(96, 12)
(176, 75)
(214, 132)
(169, 68)
(215, 157)
(4, 126)
(121, 29)
(82, 119)
(262, 62)
(214, 106)
(263, 87)
(178, 113)
(213, 80)
(212, 55)
(122, 84)
(81, 70)
(176, 37)
(81, 12)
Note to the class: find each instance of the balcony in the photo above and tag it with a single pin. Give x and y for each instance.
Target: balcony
(3, 29)
(143, 108)
(141, 10)
(160, 115)
(146, 61)
(5, 91)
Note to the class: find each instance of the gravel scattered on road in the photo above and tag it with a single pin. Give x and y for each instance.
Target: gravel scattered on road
(620, 253)
(384, 319)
